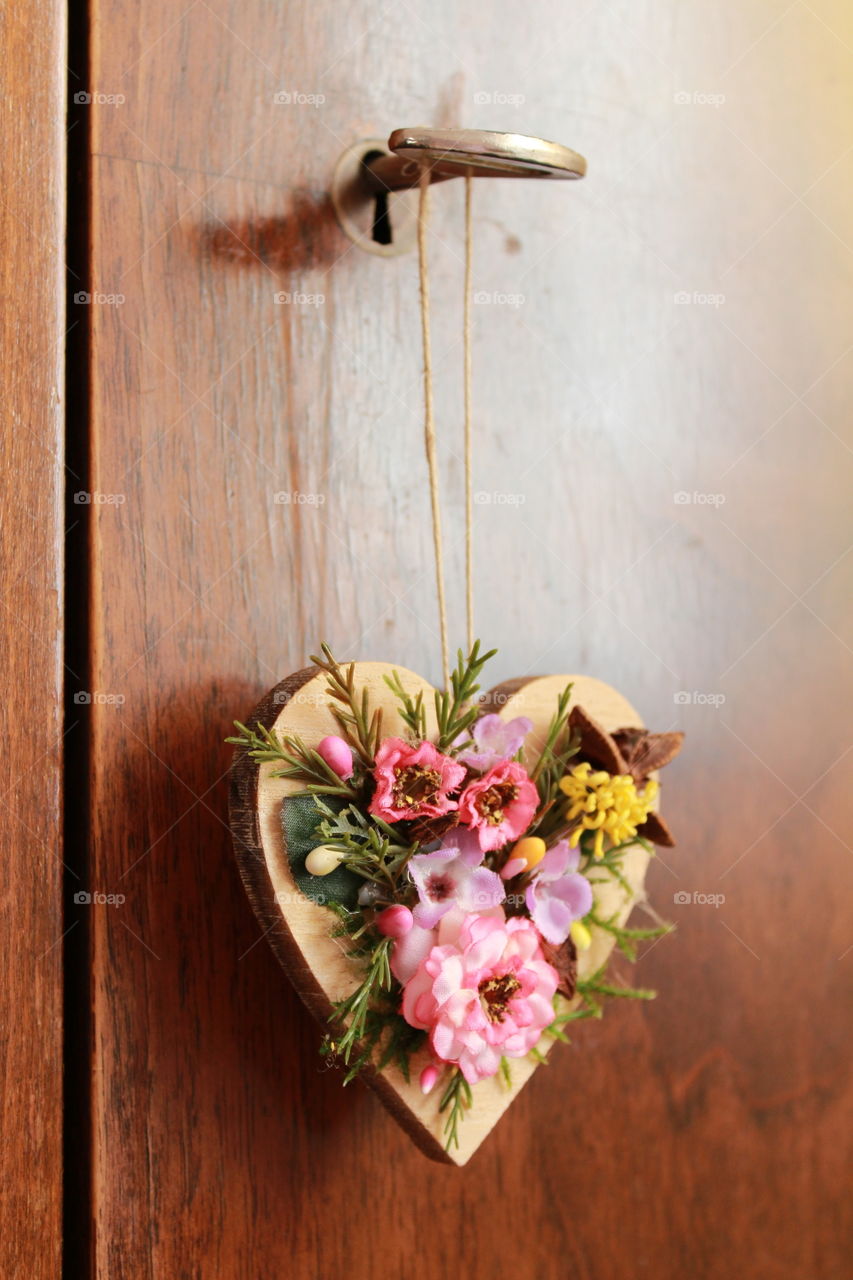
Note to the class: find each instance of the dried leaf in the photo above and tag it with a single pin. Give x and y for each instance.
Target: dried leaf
(596, 744)
(655, 829)
(425, 830)
(564, 958)
(645, 752)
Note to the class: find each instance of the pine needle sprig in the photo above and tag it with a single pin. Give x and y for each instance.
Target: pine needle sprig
(456, 1100)
(412, 710)
(545, 765)
(593, 988)
(627, 939)
(453, 709)
(298, 761)
(352, 1012)
(369, 846)
(361, 727)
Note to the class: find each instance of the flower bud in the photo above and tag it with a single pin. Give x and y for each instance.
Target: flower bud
(531, 849)
(581, 936)
(337, 755)
(513, 868)
(394, 922)
(323, 860)
(428, 1078)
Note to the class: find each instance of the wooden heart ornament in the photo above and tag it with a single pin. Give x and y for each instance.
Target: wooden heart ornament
(278, 821)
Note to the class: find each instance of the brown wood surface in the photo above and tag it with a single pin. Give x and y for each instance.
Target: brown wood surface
(32, 482)
(699, 1136)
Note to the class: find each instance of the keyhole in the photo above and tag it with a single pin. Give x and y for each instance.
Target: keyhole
(381, 230)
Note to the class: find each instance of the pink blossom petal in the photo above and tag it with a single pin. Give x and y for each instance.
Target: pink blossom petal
(410, 952)
(553, 919)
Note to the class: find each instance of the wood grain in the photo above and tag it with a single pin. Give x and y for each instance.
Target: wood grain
(221, 1147)
(32, 285)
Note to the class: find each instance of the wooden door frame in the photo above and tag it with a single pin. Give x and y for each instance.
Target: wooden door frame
(32, 499)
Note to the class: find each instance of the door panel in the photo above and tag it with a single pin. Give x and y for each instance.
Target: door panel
(679, 329)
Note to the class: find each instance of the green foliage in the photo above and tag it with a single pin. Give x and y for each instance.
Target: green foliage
(455, 1100)
(412, 710)
(627, 939)
(353, 1012)
(370, 847)
(453, 709)
(301, 763)
(361, 728)
(594, 989)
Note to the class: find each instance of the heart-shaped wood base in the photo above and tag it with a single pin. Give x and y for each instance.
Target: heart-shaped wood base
(299, 930)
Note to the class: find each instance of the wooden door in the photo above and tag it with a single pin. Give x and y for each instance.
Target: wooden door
(661, 357)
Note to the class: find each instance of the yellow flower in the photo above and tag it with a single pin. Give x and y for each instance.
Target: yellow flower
(608, 804)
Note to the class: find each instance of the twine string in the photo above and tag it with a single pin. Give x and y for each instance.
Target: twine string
(469, 497)
(429, 419)
(429, 423)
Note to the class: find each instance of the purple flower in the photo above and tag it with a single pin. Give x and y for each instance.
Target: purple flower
(558, 894)
(453, 877)
(495, 740)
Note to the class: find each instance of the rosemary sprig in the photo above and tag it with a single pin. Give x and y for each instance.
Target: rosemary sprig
(300, 762)
(359, 726)
(593, 987)
(455, 1100)
(412, 710)
(627, 939)
(452, 706)
(545, 763)
(370, 847)
(401, 1041)
(352, 1012)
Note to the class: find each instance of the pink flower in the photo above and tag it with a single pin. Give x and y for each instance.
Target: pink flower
(485, 992)
(410, 951)
(499, 805)
(453, 877)
(495, 740)
(413, 782)
(558, 895)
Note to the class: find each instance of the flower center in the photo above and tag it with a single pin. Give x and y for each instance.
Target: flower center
(415, 785)
(494, 800)
(439, 887)
(496, 994)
